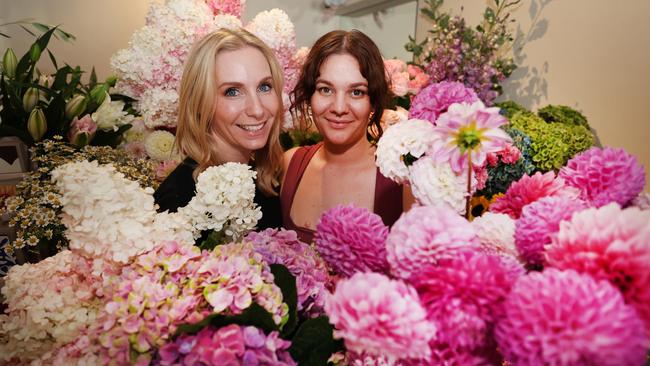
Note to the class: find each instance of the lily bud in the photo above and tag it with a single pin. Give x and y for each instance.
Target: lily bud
(82, 131)
(30, 99)
(9, 63)
(75, 106)
(35, 52)
(37, 125)
(99, 93)
(111, 80)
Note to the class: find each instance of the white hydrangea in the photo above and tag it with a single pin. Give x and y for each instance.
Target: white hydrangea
(276, 30)
(110, 115)
(159, 107)
(105, 214)
(224, 201)
(160, 145)
(434, 183)
(412, 137)
(496, 232)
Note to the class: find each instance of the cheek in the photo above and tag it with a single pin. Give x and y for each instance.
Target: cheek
(271, 104)
(318, 105)
(361, 108)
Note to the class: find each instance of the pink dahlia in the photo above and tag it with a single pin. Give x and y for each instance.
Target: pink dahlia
(539, 221)
(380, 316)
(529, 189)
(470, 132)
(424, 235)
(352, 239)
(605, 175)
(435, 99)
(463, 297)
(283, 247)
(566, 318)
(608, 243)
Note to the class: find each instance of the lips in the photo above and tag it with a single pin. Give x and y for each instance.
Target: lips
(338, 123)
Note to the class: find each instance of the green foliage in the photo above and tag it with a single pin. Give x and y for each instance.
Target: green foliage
(509, 108)
(314, 342)
(563, 114)
(287, 284)
(297, 137)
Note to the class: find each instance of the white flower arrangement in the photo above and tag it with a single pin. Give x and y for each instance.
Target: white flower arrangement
(224, 201)
(110, 115)
(106, 215)
(413, 137)
(160, 146)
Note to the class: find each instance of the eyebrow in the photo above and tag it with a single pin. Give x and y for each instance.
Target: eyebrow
(239, 84)
(353, 85)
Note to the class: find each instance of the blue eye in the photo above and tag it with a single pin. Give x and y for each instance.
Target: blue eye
(231, 92)
(265, 88)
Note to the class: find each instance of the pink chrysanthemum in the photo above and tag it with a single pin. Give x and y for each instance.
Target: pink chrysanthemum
(436, 98)
(566, 318)
(608, 243)
(605, 175)
(463, 296)
(380, 317)
(539, 221)
(529, 189)
(424, 235)
(352, 239)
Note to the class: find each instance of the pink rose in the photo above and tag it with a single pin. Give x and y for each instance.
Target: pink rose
(394, 66)
(415, 70)
(399, 84)
(417, 83)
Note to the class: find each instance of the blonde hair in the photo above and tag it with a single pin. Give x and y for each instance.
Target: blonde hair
(196, 108)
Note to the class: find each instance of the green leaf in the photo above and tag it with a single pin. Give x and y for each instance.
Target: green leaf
(213, 239)
(27, 30)
(314, 342)
(109, 138)
(287, 284)
(41, 27)
(54, 114)
(93, 79)
(53, 59)
(254, 315)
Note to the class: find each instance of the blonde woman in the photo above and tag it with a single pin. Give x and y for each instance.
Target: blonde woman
(229, 111)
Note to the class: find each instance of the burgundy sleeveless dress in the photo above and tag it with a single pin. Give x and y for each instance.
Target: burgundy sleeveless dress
(387, 203)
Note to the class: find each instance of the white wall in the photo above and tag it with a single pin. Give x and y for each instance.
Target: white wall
(591, 55)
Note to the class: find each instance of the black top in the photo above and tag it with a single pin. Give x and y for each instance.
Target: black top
(179, 187)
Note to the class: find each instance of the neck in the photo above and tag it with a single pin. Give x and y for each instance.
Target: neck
(349, 154)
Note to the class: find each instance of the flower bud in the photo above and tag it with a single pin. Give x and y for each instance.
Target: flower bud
(9, 63)
(82, 131)
(35, 52)
(99, 93)
(30, 99)
(111, 80)
(37, 125)
(75, 106)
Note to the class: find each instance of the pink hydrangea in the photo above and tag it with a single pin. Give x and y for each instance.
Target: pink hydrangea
(605, 175)
(352, 239)
(380, 316)
(232, 7)
(538, 223)
(608, 243)
(230, 345)
(283, 247)
(424, 235)
(529, 189)
(434, 99)
(463, 296)
(566, 318)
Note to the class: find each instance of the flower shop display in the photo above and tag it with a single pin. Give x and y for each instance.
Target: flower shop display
(405, 80)
(475, 56)
(38, 106)
(36, 207)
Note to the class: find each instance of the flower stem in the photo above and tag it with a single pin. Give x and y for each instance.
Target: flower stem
(469, 185)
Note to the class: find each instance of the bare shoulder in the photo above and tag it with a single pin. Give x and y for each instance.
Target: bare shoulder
(286, 159)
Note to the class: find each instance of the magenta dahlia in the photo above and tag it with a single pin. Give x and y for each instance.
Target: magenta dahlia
(424, 235)
(381, 317)
(538, 222)
(436, 98)
(611, 244)
(463, 296)
(605, 175)
(566, 318)
(352, 239)
(529, 189)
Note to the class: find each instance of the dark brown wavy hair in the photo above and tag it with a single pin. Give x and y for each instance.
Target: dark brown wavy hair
(367, 54)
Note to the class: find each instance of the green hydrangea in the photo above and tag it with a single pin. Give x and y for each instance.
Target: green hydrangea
(563, 114)
(509, 108)
(552, 144)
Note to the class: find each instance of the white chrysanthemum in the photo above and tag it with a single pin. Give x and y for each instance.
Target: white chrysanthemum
(413, 137)
(224, 201)
(110, 115)
(160, 145)
(105, 214)
(496, 232)
(435, 183)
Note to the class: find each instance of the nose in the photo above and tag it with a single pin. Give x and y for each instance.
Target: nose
(340, 104)
(254, 107)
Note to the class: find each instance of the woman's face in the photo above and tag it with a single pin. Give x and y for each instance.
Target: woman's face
(246, 103)
(341, 105)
